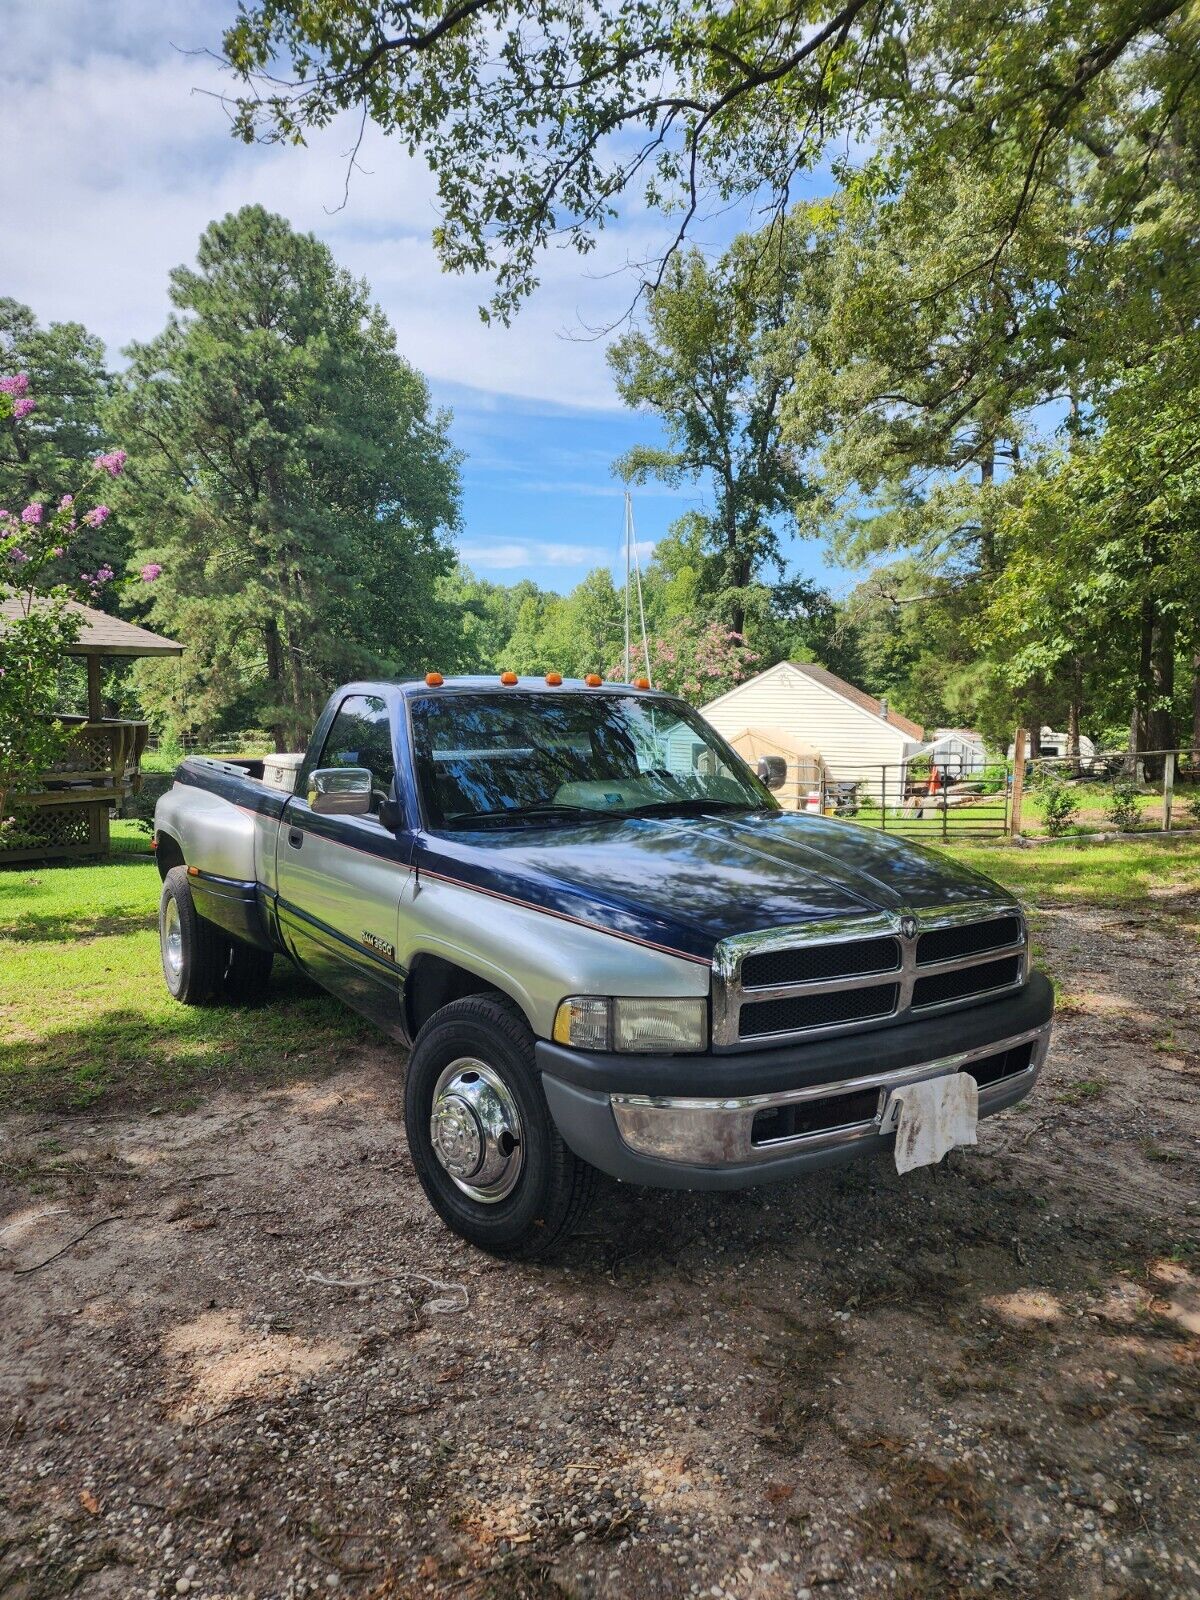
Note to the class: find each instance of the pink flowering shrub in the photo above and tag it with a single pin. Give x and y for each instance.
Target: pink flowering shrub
(697, 661)
(33, 543)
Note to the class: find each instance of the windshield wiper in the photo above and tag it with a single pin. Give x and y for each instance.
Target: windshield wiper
(549, 813)
(688, 805)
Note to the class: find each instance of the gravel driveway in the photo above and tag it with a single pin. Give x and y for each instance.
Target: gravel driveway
(268, 1370)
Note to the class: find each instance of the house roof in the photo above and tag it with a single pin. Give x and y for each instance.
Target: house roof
(102, 635)
(859, 697)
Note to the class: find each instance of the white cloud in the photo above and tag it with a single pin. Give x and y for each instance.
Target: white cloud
(119, 156)
(507, 555)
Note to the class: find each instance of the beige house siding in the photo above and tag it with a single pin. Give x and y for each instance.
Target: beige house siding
(854, 744)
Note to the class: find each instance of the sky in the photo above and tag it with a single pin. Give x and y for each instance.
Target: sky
(116, 156)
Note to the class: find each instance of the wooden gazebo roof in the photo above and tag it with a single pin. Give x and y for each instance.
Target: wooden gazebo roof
(102, 635)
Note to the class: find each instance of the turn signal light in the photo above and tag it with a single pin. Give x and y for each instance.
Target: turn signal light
(593, 680)
(554, 679)
(508, 678)
(434, 680)
(641, 683)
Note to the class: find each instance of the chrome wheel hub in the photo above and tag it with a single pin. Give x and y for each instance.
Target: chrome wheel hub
(172, 939)
(475, 1128)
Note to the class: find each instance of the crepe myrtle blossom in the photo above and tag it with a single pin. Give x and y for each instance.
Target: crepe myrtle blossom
(151, 571)
(97, 516)
(104, 573)
(32, 513)
(22, 408)
(112, 462)
(67, 501)
(16, 384)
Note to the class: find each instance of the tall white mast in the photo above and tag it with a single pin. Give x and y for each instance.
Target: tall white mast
(628, 527)
(631, 549)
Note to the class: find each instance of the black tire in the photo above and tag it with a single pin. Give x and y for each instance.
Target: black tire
(554, 1186)
(194, 966)
(247, 972)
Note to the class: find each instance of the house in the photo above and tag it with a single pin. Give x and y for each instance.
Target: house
(859, 738)
(957, 753)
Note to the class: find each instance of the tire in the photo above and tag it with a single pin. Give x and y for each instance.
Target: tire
(529, 1194)
(247, 972)
(194, 952)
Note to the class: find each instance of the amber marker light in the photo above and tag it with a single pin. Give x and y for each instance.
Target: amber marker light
(641, 683)
(554, 679)
(508, 679)
(434, 680)
(593, 680)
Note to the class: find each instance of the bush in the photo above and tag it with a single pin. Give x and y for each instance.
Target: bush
(1122, 809)
(1058, 805)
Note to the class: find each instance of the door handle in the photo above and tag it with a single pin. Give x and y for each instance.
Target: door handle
(295, 838)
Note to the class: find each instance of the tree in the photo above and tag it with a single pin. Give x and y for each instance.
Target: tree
(47, 456)
(1103, 546)
(708, 365)
(537, 121)
(291, 477)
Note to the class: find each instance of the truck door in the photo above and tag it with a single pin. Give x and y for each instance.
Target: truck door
(341, 879)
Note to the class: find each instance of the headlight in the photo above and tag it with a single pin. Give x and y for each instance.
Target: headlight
(592, 1022)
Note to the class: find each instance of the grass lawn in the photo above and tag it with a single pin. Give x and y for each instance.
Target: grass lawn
(1163, 872)
(85, 1019)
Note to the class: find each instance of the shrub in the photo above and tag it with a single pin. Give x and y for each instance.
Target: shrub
(1122, 809)
(1058, 805)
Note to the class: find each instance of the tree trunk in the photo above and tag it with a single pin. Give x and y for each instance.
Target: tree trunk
(1162, 683)
(987, 530)
(1139, 727)
(274, 649)
(1196, 704)
(1073, 713)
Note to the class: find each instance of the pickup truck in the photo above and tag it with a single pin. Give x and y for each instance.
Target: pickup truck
(605, 944)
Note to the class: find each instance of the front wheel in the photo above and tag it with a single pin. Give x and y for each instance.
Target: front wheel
(492, 1163)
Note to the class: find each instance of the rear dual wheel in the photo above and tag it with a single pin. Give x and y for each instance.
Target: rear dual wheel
(200, 960)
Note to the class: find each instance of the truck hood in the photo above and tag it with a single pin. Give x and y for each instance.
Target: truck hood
(686, 883)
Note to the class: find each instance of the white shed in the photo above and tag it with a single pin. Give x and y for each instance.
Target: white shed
(957, 753)
(859, 738)
(1053, 745)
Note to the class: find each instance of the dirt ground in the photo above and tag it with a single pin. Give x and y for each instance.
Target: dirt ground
(269, 1371)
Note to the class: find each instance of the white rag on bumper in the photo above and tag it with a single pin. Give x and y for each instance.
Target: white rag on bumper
(935, 1115)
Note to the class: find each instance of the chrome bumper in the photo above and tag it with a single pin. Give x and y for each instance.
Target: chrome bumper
(717, 1133)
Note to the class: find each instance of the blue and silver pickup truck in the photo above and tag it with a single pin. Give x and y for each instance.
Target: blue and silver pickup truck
(606, 944)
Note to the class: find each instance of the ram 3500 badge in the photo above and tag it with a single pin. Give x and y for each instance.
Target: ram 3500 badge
(605, 943)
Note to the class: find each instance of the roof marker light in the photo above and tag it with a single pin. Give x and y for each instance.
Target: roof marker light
(593, 680)
(508, 679)
(554, 679)
(434, 680)
(641, 683)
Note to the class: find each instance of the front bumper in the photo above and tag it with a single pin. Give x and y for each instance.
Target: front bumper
(766, 1115)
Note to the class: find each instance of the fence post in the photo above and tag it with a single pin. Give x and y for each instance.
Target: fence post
(1168, 788)
(1018, 786)
(883, 797)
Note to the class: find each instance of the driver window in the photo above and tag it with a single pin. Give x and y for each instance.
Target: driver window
(361, 736)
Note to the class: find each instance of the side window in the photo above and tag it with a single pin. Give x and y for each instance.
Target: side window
(361, 736)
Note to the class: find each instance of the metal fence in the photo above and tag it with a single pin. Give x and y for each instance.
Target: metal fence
(934, 803)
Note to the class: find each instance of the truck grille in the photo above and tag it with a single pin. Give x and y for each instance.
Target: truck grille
(858, 973)
(808, 963)
(818, 1010)
(935, 990)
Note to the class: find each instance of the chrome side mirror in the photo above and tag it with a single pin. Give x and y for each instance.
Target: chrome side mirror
(772, 770)
(340, 791)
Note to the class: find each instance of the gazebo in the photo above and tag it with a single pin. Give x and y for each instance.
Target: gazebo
(67, 813)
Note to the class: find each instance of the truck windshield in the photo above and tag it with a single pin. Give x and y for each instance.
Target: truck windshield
(499, 759)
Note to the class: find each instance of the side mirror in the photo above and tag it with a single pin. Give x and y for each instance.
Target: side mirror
(391, 816)
(340, 791)
(772, 770)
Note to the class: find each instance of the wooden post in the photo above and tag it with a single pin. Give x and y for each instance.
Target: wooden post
(95, 702)
(1018, 787)
(1168, 788)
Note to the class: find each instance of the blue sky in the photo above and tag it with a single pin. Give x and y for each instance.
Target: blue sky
(116, 157)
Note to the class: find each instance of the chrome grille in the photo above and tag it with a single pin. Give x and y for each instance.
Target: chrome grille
(833, 977)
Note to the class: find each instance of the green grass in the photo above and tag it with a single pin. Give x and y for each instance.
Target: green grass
(1164, 872)
(85, 1018)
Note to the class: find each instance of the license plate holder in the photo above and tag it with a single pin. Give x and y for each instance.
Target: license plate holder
(929, 1118)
